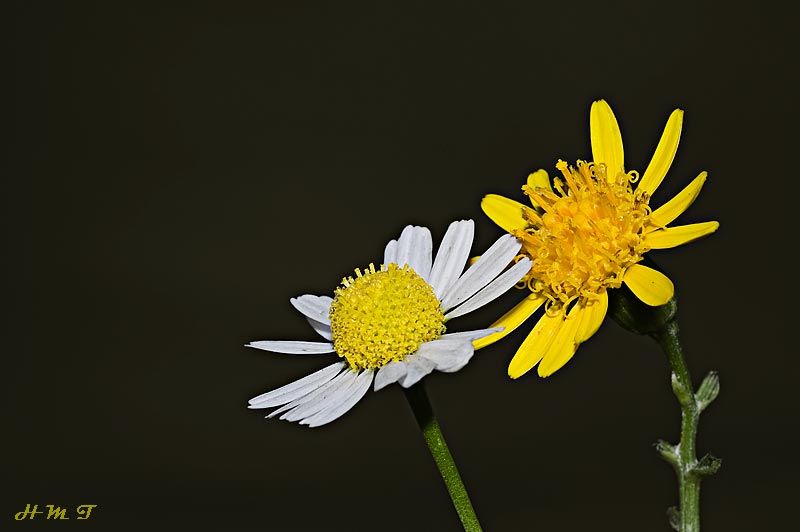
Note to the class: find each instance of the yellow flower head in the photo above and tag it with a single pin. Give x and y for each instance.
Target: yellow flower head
(370, 329)
(586, 233)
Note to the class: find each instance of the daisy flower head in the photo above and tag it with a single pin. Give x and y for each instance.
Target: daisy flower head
(586, 232)
(388, 323)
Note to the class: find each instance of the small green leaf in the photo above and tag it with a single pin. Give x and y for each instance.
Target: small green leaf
(667, 451)
(708, 391)
(708, 465)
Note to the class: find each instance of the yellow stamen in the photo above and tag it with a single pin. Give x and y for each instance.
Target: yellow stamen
(383, 316)
(589, 233)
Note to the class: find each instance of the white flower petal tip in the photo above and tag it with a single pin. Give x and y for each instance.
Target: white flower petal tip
(389, 374)
(331, 395)
(452, 256)
(319, 398)
(313, 307)
(353, 396)
(414, 248)
(390, 253)
(295, 390)
(292, 347)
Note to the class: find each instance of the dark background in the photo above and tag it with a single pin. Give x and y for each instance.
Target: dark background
(177, 173)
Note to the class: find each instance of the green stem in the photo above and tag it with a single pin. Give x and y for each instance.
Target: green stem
(423, 412)
(683, 456)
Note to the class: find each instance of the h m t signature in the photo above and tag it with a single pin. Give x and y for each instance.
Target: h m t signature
(32, 511)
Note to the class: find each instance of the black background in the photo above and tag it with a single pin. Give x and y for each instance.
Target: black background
(178, 172)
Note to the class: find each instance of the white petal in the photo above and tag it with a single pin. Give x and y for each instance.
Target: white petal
(339, 395)
(356, 392)
(494, 289)
(390, 253)
(293, 347)
(447, 355)
(404, 245)
(322, 329)
(388, 374)
(289, 406)
(333, 394)
(309, 397)
(414, 248)
(421, 253)
(417, 367)
(471, 335)
(491, 263)
(452, 256)
(296, 389)
(315, 307)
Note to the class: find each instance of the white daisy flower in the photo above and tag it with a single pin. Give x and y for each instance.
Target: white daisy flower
(388, 324)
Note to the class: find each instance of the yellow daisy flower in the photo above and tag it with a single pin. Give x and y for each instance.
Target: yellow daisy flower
(587, 232)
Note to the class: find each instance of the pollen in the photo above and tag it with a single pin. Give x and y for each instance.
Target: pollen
(582, 234)
(381, 316)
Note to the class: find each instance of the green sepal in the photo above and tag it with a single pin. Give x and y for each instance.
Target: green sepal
(633, 315)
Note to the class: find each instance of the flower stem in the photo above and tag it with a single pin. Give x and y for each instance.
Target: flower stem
(423, 412)
(683, 456)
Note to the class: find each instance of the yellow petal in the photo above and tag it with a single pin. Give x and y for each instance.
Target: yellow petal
(664, 154)
(677, 205)
(592, 317)
(505, 212)
(564, 345)
(512, 319)
(678, 235)
(539, 179)
(650, 286)
(606, 138)
(535, 345)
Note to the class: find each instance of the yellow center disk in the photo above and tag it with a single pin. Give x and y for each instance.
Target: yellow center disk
(384, 315)
(584, 233)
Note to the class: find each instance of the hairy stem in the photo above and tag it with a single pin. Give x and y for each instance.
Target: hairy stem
(683, 456)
